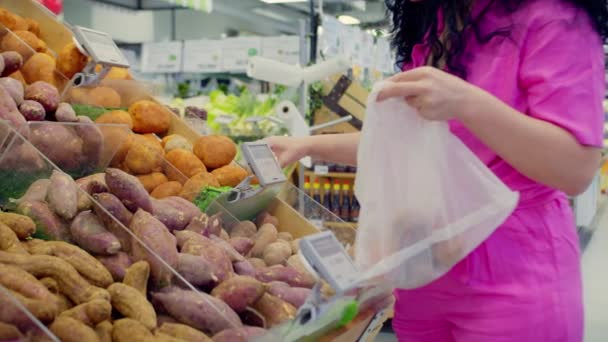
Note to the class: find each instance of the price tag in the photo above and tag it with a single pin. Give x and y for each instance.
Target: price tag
(236, 52)
(263, 163)
(284, 49)
(331, 39)
(100, 46)
(321, 169)
(163, 57)
(204, 56)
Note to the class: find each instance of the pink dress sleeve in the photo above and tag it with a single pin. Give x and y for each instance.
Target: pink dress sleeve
(562, 73)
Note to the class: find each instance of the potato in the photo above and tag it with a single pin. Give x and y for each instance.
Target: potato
(23, 42)
(243, 334)
(128, 189)
(14, 88)
(130, 330)
(71, 330)
(39, 67)
(257, 263)
(132, 304)
(144, 157)
(12, 21)
(114, 208)
(33, 26)
(116, 117)
(32, 110)
(277, 253)
(239, 292)
(70, 60)
(67, 154)
(230, 175)
(62, 195)
(285, 236)
(186, 162)
(295, 296)
(215, 151)
(47, 223)
(9, 241)
(149, 117)
(244, 268)
(216, 258)
(44, 93)
(176, 142)
(116, 264)
(198, 183)
(105, 97)
(90, 313)
(12, 64)
(167, 189)
(284, 274)
(104, 331)
(22, 225)
(183, 332)
(198, 309)
(65, 113)
(241, 244)
(137, 276)
(158, 238)
(153, 180)
(227, 248)
(274, 309)
(174, 212)
(89, 267)
(266, 235)
(196, 269)
(246, 229)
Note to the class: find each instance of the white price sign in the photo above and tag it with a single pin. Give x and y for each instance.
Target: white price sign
(366, 50)
(203, 56)
(161, 57)
(284, 49)
(236, 52)
(351, 44)
(331, 39)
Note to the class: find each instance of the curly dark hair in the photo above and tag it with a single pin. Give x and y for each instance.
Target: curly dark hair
(411, 20)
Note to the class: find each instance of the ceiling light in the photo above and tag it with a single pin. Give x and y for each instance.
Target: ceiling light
(349, 20)
(281, 1)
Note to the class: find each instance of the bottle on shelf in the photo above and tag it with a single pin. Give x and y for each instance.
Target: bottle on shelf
(345, 208)
(335, 199)
(327, 195)
(316, 191)
(307, 186)
(355, 208)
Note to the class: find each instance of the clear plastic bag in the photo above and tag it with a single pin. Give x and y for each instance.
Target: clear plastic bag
(427, 201)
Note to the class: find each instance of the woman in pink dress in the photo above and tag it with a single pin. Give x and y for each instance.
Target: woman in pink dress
(521, 84)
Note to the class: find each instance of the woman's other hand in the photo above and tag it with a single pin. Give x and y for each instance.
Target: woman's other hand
(288, 150)
(436, 94)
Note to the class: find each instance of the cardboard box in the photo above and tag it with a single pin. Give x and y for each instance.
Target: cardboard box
(342, 97)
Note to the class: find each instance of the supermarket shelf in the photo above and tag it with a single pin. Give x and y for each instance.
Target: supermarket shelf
(345, 175)
(340, 224)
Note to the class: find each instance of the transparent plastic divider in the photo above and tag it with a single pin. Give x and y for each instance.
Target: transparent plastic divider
(43, 168)
(14, 314)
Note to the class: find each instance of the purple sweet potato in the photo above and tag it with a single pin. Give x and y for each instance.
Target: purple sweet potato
(244, 268)
(129, 190)
(8, 109)
(195, 269)
(62, 195)
(58, 143)
(198, 309)
(36, 192)
(92, 139)
(116, 210)
(174, 212)
(117, 264)
(239, 292)
(90, 185)
(295, 296)
(32, 110)
(90, 234)
(241, 244)
(227, 247)
(12, 62)
(44, 93)
(159, 240)
(215, 255)
(65, 113)
(47, 223)
(243, 334)
(14, 88)
(198, 224)
(285, 274)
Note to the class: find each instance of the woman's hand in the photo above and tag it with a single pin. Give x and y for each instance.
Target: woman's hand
(436, 94)
(288, 150)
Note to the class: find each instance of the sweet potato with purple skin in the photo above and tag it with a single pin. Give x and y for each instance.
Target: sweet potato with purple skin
(9, 111)
(12, 62)
(274, 309)
(295, 296)
(90, 185)
(241, 244)
(65, 113)
(129, 190)
(266, 235)
(227, 247)
(116, 264)
(198, 309)
(14, 88)
(239, 292)
(215, 256)
(32, 110)
(47, 223)
(89, 233)
(277, 253)
(157, 237)
(58, 143)
(92, 139)
(243, 334)
(117, 211)
(285, 274)
(174, 212)
(244, 268)
(199, 224)
(36, 192)
(62, 195)
(195, 269)
(44, 93)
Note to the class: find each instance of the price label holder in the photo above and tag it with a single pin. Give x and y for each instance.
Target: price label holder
(103, 51)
